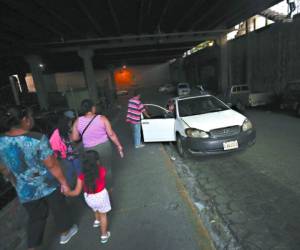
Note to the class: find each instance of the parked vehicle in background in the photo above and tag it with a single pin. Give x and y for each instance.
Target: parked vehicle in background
(237, 96)
(260, 99)
(183, 88)
(167, 88)
(201, 89)
(200, 125)
(291, 97)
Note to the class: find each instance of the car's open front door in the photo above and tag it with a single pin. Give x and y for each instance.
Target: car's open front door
(158, 128)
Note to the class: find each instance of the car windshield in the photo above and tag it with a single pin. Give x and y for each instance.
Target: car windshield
(200, 105)
(183, 86)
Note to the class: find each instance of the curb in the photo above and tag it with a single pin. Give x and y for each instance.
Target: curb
(215, 224)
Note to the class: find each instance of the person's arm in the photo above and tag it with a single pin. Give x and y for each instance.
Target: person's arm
(146, 114)
(143, 110)
(112, 135)
(4, 171)
(53, 166)
(77, 190)
(75, 136)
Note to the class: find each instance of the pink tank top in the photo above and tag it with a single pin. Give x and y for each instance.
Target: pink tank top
(95, 134)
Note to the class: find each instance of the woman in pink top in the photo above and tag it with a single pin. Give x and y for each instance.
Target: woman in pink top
(96, 131)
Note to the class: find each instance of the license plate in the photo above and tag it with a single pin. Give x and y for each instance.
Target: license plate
(230, 145)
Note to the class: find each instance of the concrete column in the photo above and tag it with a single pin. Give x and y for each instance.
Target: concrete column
(112, 83)
(23, 83)
(181, 71)
(13, 84)
(37, 75)
(224, 64)
(89, 73)
(249, 49)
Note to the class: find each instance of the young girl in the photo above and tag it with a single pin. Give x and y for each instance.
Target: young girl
(92, 181)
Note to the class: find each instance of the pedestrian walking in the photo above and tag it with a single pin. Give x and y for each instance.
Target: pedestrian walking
(135, 109)
(64, 148)
(38, 176)
(92, 181)
(95, 131)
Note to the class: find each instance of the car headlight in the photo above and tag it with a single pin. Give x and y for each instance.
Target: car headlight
(196, 133)
(247, 125)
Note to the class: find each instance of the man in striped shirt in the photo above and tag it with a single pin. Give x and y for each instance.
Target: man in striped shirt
(135, 109)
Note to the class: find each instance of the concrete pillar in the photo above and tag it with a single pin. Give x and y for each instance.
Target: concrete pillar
(89, 73)
(23, 83)
(181, 70)
(224, 64)
(13, 84)
(37, 75)
(249, 49)
(112, 83)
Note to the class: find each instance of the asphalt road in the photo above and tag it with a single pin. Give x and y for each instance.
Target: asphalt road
(255, 194)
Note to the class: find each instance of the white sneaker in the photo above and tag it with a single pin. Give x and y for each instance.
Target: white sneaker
(64, 238)
(104, 238)
(140, 146)
(96, 223)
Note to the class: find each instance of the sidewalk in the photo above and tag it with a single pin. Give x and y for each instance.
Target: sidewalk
(150, 209)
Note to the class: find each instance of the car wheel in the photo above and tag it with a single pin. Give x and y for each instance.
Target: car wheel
(180, 147)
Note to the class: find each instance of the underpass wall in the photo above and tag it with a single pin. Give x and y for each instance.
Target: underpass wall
(266, 59)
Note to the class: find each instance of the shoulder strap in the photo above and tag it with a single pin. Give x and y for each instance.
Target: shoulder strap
(88, 125)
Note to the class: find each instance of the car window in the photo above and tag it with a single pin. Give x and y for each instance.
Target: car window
(155, 112)
(200, 105)
(183, 86)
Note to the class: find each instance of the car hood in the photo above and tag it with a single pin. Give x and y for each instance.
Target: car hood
(215, 120)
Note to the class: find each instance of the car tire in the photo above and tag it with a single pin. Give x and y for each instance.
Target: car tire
(180, 147)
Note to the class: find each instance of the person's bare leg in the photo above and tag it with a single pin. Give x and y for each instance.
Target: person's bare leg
(97, 216)
(104, 223)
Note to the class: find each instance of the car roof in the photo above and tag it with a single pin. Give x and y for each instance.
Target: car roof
(190, 97)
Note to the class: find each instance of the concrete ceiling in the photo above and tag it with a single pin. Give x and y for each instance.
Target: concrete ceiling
(134, 31)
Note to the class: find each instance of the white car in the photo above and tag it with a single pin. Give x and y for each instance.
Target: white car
(200, 125)
(183, 88)
(167, 88)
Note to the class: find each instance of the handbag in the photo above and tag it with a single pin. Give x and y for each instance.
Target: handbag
(86, 127)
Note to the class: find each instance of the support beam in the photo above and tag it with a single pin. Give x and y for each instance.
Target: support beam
(206, 14)
(87, 13)
(14, 7)
(140, 18)
(163, 13)
(191, 38)
(188, 14)
(53, 13)
(115, 18)
(89, 73)
(128, 52)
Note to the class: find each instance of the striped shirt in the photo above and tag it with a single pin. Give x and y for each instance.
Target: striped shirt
(135, 109)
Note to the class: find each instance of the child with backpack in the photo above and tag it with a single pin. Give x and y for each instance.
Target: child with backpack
(92, 181)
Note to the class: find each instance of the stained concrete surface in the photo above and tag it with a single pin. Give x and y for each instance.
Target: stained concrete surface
(251, 199)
